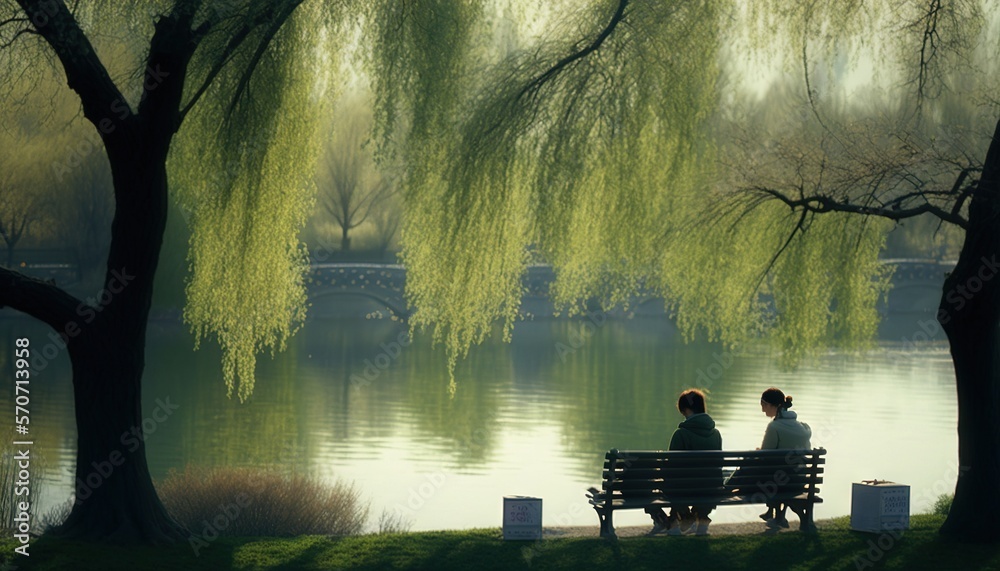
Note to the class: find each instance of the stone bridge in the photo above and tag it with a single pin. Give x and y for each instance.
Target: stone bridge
(376, 290)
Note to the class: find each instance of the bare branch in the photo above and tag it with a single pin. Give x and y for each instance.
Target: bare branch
(821, 204)
(532, 88)
(85, 73)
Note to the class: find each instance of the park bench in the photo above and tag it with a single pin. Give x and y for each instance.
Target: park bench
(637, 479)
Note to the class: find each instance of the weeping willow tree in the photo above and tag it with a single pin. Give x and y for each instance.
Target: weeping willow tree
(600, 155)
(592, 144)
(240, 86)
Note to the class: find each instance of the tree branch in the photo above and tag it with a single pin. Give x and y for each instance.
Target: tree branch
(536, 84)
(40, 299)
(85, 73)
(225, 57)
(821, 204)
(276, 23)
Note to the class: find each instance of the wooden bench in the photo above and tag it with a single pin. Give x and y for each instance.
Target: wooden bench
(636, 479)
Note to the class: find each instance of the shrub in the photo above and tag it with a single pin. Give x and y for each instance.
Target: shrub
(943, 504)
(261, 502)
(393, 522)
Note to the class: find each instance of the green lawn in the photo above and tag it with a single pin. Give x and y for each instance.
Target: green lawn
(835, 547)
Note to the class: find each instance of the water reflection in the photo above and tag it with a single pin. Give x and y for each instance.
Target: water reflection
(356, 399)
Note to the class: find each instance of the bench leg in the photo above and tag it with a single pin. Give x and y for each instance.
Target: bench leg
(607, 526)
(805, 513)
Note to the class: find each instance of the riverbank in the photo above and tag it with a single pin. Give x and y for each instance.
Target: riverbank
(835, 546)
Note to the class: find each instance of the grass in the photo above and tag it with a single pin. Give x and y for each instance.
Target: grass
(835, 547)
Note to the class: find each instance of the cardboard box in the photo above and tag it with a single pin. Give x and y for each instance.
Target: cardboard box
(878, 505)
(522, 517)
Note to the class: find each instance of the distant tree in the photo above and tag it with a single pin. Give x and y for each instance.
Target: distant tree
(20, 207)
(87, 212)
(352, 190)
(387, 219)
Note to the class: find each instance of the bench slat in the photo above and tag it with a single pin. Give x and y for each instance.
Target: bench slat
(653, 473)
(653, 463)
(618, 502)
(655, 454)
(688, 483)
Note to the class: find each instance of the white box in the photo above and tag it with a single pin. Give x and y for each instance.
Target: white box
(878, 506)
(522, 517)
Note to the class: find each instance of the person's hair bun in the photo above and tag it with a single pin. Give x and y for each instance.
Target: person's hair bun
(788, 401)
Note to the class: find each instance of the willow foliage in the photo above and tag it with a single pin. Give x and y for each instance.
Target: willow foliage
(546, 152)
(581, 133)
(251, 194)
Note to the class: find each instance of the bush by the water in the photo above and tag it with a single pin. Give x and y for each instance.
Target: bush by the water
(261, 502)
(943, 504)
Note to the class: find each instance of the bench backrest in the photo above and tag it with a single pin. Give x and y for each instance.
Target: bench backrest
(700, 474)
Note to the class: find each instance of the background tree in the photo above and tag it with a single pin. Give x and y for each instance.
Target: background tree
(19, 209)
(352, 190)
(387, 219)
(86, 213)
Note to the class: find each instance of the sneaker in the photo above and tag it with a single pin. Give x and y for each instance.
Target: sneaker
(777, 523)
(675, 529)
(658, 528)
(703, 526)
(688, 525)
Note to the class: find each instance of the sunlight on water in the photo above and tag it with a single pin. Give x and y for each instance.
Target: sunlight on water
(533, 418)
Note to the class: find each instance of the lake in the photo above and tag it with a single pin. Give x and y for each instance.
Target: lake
(355, 399)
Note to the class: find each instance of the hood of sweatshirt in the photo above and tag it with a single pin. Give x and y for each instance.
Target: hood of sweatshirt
(700, 424)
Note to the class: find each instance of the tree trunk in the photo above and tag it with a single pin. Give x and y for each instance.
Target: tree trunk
(115, 497)
(345, 242)
(970, 315)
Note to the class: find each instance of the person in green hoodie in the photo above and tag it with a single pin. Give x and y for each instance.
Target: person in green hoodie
(696, 432)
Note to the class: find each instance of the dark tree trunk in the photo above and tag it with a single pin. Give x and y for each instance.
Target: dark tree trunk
(115, 497)
(345, 242)
(970, 315)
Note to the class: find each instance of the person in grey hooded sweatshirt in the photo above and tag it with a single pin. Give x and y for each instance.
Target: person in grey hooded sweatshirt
(696, 432)
(783, 432)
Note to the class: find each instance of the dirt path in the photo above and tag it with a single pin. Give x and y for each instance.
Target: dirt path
(747, 528)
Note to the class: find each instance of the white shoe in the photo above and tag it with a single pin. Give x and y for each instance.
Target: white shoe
(703, 526)
(658, 528)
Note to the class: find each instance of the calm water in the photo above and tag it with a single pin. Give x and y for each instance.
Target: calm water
(533, 417)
